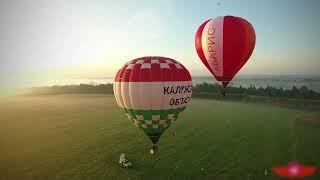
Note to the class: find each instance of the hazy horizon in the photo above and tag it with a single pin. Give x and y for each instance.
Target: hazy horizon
(46, 40)
(195, 79)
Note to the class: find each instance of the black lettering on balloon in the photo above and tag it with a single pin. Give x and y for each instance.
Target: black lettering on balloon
(177, 102)
(171, 102)
(177, 89)
(172, 90)
(165, 90)
(181, 89)
(186, 100)
(182, 100)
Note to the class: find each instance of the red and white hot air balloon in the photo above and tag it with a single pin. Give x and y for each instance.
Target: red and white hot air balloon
(153, 91)
(224, 45)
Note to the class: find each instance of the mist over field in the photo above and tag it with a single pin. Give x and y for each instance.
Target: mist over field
(82, 136)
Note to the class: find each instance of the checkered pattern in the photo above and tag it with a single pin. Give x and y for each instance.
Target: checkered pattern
(146, 63)
(153, 121)
(152, 69)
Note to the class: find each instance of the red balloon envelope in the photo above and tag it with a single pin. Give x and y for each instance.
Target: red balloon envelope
(224, 45)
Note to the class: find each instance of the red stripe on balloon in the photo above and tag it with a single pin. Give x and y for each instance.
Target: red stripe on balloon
(135, 73)
(120, 74)
(166, 74)
(145, 75)
(155, 73)
(238, 44)
(126, 75)
(198, 44)
(186, 73)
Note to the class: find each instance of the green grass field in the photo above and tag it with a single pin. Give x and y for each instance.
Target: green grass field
(82, 136)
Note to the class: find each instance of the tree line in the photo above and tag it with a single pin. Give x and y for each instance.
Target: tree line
(200, 90)
(269, 91)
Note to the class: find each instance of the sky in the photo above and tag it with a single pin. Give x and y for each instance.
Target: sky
(42, 40)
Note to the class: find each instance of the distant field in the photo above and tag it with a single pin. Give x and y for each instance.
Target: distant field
(82, 136)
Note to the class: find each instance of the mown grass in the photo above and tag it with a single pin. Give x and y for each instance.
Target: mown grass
(82, 136)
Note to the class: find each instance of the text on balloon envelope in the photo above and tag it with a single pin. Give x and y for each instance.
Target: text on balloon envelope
(211, 42)
(179, 101)
(177, 89)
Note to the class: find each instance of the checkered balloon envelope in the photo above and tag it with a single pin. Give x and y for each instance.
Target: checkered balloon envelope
(153, 91)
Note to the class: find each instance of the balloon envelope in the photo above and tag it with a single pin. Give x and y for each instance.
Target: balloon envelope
(224, 45)
(153, 91)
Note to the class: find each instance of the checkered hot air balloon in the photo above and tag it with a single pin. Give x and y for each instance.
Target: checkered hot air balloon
(153, 91)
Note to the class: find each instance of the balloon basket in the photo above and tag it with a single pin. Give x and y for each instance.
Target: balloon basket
(154, 149)
(223, 92)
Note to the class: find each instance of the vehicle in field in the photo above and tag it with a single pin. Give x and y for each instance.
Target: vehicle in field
(124, 162)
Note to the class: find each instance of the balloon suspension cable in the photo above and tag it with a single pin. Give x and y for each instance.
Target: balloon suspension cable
(223, 91)
(174, 129)
(223, 88)
(153, 149)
